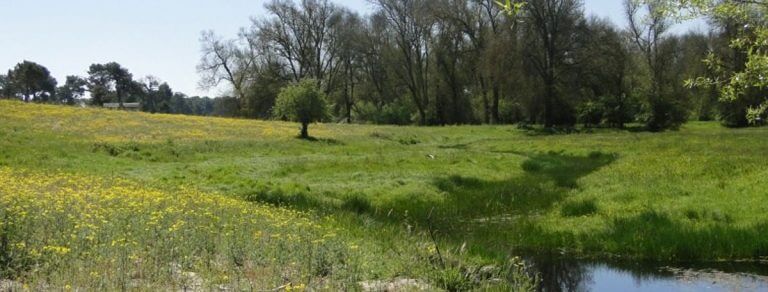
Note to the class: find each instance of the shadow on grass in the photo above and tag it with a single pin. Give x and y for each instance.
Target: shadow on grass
(328, 141)
(543, 131)
(546, 179)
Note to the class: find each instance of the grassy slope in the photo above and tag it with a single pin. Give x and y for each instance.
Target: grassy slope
(697, 193)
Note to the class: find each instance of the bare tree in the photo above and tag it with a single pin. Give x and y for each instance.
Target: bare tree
(225, 61)
(411, 26)
(553, 24)
(303, 36)
(647, 30)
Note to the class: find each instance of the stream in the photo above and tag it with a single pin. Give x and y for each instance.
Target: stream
(574, 275)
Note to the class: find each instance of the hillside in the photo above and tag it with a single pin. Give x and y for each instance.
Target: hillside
(104, 199)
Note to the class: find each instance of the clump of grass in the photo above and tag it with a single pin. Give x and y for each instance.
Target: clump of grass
(578, 208)
(278, 195)
(357, 203)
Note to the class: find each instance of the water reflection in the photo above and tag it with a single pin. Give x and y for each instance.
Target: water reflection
(563, 274)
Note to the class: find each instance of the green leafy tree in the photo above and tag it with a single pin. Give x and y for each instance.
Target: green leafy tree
(748, 78)
(110, 77)
(303, 102)
(32, 82)
(72, 89)
(5, 87)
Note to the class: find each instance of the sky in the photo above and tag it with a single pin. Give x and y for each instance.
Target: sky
(150, 37)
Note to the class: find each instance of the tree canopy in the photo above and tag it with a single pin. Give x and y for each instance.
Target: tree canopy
(302, 102)
(30, 81)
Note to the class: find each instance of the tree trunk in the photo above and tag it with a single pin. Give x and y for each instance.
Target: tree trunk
(304, 130)
(495, 105)
(486, 104)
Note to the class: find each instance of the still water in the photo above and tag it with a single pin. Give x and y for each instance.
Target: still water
(572, 275)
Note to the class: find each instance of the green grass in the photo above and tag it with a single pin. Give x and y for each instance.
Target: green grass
(487, 192)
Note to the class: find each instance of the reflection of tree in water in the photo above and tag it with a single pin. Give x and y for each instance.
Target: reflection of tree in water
(560, 274)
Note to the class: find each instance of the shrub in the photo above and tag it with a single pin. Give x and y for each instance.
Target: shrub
(591, 113)
(663, 114)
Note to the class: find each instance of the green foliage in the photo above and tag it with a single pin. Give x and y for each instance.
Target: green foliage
(109, 82)
(73, 89)
(389, 114)
(748, 80)
(664, 113)
(302, 102)
(591, 113)
(31, 82)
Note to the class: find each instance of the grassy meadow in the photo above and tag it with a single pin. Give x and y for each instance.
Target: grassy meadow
(115, 200)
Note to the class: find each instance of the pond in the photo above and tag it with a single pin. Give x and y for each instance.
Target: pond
(574, 275)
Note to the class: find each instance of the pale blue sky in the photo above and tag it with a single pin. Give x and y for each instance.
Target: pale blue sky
(157, 37)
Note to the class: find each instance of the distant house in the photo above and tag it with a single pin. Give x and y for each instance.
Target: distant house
(128, 106)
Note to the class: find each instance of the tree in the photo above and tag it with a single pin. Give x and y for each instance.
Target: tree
(225, 61)
(742, 77)
(73, 89)
(303, 102)
(5, 87)
(411, 26)
(349, 59)
(31, 81)
(304, 37)
(110, 79)
(648, 33)
(552, 25)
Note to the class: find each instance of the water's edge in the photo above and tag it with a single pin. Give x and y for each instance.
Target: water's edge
(563, 274)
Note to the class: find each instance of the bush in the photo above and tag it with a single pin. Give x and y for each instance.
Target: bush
(663, 114)
(389, 114)
(591, 113)
(618, 110)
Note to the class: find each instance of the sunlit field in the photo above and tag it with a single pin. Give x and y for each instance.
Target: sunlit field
(115, 200)
(73, 223)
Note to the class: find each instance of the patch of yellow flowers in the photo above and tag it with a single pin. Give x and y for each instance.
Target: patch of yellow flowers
(109, 228)
(118, 126)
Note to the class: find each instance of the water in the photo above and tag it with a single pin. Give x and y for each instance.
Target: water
(573, 275)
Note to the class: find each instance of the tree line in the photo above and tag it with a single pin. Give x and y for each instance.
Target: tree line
(446, 62)
(467, 62)
(107, 83)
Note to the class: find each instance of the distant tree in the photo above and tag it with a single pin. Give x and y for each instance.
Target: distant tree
(303, 102)
(225, 106)
(5, 87)
(149, 86)
(164, 98)
(226, 61)
(73, 89)
(99, 84)
(179, 104)
(32, 82)
(104, 79)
